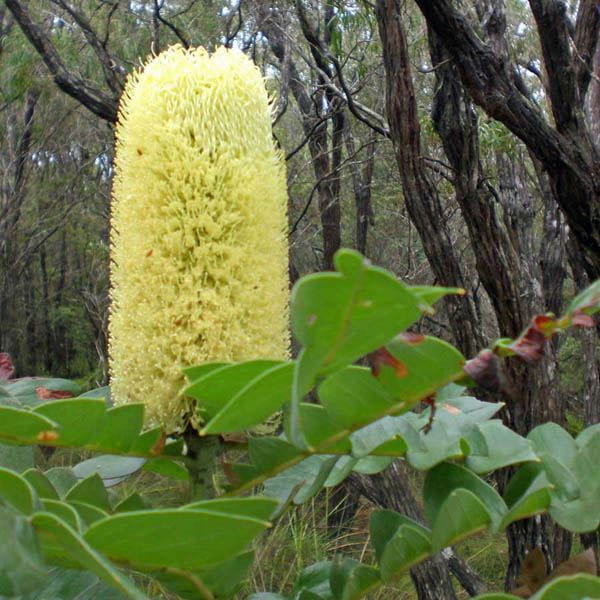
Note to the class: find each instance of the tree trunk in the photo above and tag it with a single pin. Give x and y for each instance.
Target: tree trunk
(420, 194)
(566, 151)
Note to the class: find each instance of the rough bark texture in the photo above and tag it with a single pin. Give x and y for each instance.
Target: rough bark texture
(420, 194)
(566, 150)
(100, 103)
(325, 159)
(361, 182)
(500, 226)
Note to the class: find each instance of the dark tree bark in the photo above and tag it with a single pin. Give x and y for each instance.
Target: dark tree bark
(513, 277)
(102, 104)
(325, 159)
(420, 194)
(12, 195)
(566, 150)
(361, 182)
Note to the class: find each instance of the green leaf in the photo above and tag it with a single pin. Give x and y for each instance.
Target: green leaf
(167, 468)
(22, 425)
(445, 478)
(303, 480)
(316, 579)
(382, 437)
(148, 442)
(28, 390)
(132, 502)
(429, 364)
(342, 468)
(101, 392)
(383, 525)
(434, 447)
(527, 493)
(578, 516)
(254, 507)
(582, 586)
(64, 512)
(369, 465)
(41, 484)
(222, 580)
(21, 566)
(79, 418)
(268, 456)
(351, 580)
(353, 397)
(218, 386)
(258, 400)
(339, 317)
(562, 477)
(59, 533)
(62, 479)
(399, 542)
(429, 295)
(342, 316)
(87, 512)
(17, 491)
(112, 469)
(182, 539)
(198, 371)
(121, 427)
(17, 458)
(408, 546)
(90, 490)
(505, 447)
(319, 428)
(461, 515)
(587, 300)
(554, 440)
(71, 584)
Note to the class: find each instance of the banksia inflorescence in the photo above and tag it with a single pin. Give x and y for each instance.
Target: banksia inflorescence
(198, 242)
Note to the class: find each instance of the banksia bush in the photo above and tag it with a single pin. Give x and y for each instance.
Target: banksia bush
(198, 242)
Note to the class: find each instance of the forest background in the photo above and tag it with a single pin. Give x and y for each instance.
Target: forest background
(454, 143)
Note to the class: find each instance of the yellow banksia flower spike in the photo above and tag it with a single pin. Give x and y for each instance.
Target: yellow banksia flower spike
(198, 228)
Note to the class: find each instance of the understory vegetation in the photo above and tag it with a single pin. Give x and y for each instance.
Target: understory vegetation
(297, 299)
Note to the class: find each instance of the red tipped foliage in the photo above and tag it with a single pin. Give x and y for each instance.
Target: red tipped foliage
(7, 369)
(382, 356)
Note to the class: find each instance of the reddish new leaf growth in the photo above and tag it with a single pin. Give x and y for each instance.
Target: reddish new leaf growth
(7, 369)
(530, 345)
(46, 394)
(382, 356)
(47, 436)
(159, 446)
(486, 371)
(580, 319)
(412, 338)
(430, 401)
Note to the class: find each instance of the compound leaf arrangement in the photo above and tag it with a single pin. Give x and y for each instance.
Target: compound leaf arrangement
(182, 362)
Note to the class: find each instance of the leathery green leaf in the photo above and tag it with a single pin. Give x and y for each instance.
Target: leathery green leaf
(258, 400)
(338, 317)
(461, 515)
(182, 539)
(17, 491)
(81, 553)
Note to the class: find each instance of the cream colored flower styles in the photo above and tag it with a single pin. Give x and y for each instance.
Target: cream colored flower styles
(198, 230)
